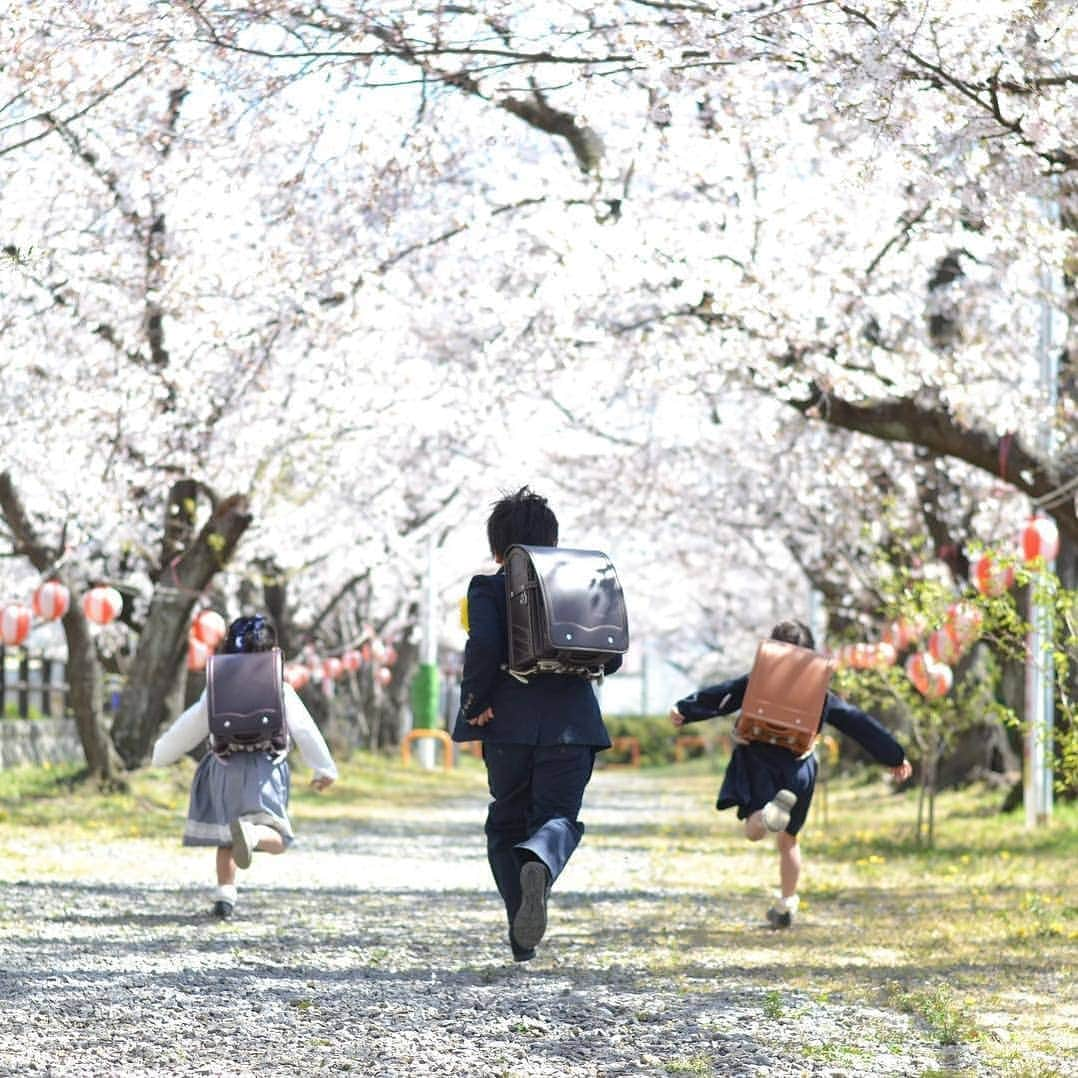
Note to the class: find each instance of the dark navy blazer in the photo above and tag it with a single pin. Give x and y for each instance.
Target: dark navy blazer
(550, 709)
(870, 734)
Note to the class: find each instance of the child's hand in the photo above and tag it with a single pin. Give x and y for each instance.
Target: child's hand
(482, 718)
(676, 717)
(320, 783)
(902, 772)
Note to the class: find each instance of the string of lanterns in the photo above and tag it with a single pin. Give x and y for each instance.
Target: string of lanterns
(929, 667)
(208, 629)
(102, 605)
(51, 601)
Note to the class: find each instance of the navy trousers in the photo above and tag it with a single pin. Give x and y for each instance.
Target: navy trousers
(536, 791)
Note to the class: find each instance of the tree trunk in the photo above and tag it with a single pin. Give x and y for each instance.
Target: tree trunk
(152, 691)
(85, 679)
(84, 673)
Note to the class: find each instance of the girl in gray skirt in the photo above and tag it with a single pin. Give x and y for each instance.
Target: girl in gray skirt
(239, 803)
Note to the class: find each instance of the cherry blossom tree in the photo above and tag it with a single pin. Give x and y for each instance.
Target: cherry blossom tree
(727, 279)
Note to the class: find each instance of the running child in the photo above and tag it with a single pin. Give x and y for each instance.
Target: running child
(770, 786)
(239, 800)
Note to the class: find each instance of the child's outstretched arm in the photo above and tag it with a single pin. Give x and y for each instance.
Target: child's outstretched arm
(870, 734)
(309, 740)
(722, 699)
(183, 735)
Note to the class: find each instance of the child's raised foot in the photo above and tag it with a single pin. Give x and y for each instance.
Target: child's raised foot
(776, 813)
(243, 842)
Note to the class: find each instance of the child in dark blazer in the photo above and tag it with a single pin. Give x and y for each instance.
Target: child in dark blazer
(770, 786)
(539, 737)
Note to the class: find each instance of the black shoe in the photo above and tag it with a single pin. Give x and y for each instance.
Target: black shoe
(529, 924)
(521, 954)
(779, 918)
(222, 909)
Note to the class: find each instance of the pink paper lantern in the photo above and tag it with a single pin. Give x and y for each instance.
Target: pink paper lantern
(383, 676)
(198, 653)
(989, 577)
(209, 627)
(352, 660)
(332, 668)
(102, 605)
(15, 624)
(51, 601)
(1040, 539)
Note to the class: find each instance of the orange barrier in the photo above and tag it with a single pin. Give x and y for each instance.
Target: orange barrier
(683, 741)
(632, 744)
(438, 735)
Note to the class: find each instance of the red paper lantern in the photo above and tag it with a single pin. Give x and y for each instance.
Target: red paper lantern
(102, 605)
(51, 601)
(930, 678)
(209, 627)
(332, 668)
(15, 624)
(964, 622)
(901, 633)
(943, 646)
(886, 655)
(297, 675)
(352, 660)
(198, 653)
(989, 577)
(1040, 539)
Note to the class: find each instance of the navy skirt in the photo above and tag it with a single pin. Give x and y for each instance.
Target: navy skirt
(757, 772)
(251, 785)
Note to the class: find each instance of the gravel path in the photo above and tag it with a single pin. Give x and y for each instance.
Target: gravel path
(379, 950)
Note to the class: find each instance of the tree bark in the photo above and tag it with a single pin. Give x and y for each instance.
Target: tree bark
(902, 419)
(156, 679)
(84, 673)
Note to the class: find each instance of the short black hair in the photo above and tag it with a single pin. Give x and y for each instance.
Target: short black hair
(523, 517)
(255, 633)
(794, 632)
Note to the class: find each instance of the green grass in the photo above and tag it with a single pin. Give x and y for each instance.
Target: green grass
(977, 938)
(56, 800)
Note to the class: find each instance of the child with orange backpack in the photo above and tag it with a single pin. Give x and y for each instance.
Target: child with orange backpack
(770, 786)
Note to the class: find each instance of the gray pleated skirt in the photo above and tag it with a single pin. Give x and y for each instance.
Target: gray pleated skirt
(251, 785)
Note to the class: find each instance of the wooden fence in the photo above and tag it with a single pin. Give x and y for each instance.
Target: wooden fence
(32, 685)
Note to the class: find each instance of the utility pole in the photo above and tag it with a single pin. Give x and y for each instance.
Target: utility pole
(1040, 666)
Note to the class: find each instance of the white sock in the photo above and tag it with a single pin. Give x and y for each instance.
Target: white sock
(226, 892)
(787, 905)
